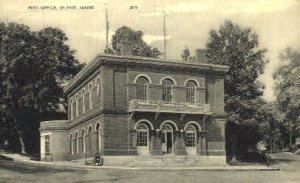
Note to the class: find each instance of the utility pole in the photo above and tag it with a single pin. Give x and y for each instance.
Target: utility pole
(165, 40)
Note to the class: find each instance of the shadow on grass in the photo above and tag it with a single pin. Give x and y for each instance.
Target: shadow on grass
(29, 169)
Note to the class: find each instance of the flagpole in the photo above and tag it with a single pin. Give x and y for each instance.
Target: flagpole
(165, 41)
(107, 28)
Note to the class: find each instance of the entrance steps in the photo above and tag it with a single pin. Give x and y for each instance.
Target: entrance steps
(173, 161)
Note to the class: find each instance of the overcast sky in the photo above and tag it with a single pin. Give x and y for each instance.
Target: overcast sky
(188, 23)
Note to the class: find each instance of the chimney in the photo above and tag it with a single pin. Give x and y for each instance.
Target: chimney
(200, 55)
(126, 48)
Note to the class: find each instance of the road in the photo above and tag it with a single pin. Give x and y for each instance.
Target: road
(289, 173)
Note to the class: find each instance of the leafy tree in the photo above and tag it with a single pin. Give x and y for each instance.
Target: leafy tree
(34, 68)
(288, 90)
(140, 47)
(238, 48)
(185, 54)
(270, 125)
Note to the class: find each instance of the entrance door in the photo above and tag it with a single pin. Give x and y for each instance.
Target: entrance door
(169, 142)
(167, 139)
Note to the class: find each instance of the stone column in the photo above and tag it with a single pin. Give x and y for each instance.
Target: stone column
(179, 143)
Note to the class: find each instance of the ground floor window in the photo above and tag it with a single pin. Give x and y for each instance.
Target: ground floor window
(47, 144)
(142, 135)
(190, 136)
(71, 144)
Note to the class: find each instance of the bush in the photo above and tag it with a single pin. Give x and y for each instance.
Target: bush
(294, 148)
(254, 156)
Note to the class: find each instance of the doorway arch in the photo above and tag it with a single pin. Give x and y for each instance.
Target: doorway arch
(167, 138)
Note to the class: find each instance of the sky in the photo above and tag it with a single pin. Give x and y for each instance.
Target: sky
(188, 23)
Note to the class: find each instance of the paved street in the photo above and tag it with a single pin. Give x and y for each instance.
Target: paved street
(289, 173)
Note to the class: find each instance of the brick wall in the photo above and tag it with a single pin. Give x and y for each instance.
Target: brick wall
(216, 136)
(118, 138)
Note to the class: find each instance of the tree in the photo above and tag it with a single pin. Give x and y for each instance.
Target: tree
(140, 47)
(34, 68)
(287, 79)
(238, 48)
(185, 54)
(270, 125)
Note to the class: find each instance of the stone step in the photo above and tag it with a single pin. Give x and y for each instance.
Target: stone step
(171, 161)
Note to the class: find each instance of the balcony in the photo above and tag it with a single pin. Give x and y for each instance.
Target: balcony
(167, 107)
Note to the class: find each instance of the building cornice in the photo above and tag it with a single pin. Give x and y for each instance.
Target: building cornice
(136, 61)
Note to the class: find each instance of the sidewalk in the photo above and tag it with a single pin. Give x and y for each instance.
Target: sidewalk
(20, 161)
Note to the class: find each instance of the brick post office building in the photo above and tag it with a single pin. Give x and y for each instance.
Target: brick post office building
(124, 105)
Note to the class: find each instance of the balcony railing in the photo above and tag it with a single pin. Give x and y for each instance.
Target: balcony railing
(170, 107)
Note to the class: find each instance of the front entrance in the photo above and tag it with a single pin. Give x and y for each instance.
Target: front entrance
(167, 139)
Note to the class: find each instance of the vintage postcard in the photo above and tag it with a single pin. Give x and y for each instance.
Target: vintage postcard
(149, 91)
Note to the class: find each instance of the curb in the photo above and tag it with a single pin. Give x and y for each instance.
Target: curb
(213, 168)
(41, 165)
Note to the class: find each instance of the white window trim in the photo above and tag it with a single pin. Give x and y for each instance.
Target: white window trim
(143, 130)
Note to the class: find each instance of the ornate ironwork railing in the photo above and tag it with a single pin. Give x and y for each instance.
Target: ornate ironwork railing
(171, 107)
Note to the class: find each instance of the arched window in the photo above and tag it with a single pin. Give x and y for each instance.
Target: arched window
(98, 140)
(71, 144)
(74, 108)
(89, 139)
(83, 100)
(71, 109)
(98, 83)
(76, 105)
(83, 140)
(190, 136)
(142, 135)
(167, 90)
(90, 89)
(191, 92)
(76, 143)
(142, 88)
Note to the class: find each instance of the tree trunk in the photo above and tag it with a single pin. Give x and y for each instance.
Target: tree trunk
(21, 143)
(291, 135)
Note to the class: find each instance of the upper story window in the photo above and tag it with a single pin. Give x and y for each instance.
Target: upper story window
(142, 88)
(71, 109)
(191, 92)
(98, 82)
(73, 114)
(167, 90)
(76, 105)
(83, 93)
(90, 89)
